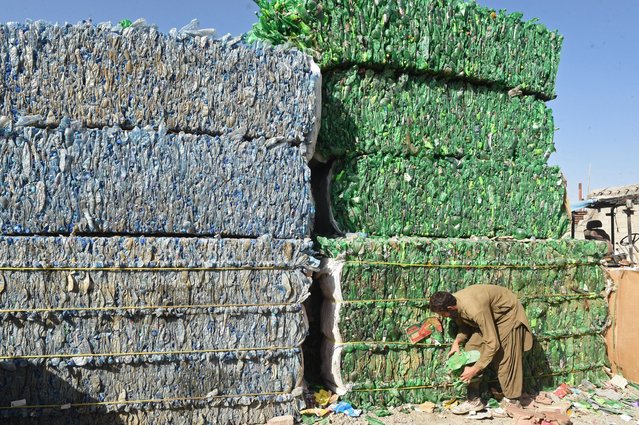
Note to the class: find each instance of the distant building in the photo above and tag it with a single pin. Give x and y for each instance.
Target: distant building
(606, 212)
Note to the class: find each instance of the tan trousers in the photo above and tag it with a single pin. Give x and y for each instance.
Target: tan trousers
(508, 361)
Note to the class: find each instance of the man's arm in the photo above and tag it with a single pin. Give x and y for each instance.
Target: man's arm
(463, 334)
(488, 331)
(491, 344)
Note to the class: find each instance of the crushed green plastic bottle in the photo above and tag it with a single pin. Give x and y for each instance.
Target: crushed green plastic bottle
(462, 358)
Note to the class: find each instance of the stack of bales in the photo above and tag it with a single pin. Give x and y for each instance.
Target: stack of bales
(155, 215)
(437, 135)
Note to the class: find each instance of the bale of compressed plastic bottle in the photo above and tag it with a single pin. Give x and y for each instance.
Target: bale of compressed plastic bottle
(386, 195)
(105, 75)
(368, 112)
(376, 288)
(455, 38)
(78, 180)
(102, 325)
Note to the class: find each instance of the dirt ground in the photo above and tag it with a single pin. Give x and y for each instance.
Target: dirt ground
(442, 418)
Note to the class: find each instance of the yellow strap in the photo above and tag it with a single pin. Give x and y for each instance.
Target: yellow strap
(418, 387)
(384, 300)
(469, 266)
(194, 306)
(151, 400)
(145, 353)
(446, 344)
(418, 344)
(357, 262)
(150, 307)
(525, 297)
(138, 269)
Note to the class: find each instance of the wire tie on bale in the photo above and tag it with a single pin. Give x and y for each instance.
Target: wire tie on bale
(145, 353)
(470, 266)
(140, 269)
(141, 401)
(143, 307)
(587, 295)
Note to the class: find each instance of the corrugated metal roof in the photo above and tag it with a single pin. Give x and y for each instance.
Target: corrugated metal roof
(615, 196)
(616, 192)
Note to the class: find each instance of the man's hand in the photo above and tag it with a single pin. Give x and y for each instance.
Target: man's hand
(454, 349)
(469, 373)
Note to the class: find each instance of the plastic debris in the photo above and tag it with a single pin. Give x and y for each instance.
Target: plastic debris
(319, 412)
(282, 420)
(449, 404)
(619, 381)
(427, 407)
(492, 403)
(381, 412)
(345, 408)
(373, 421)
(323, 397)
(562, 391)
(462, 358)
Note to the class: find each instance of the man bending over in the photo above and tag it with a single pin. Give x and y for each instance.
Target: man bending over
(491, 320)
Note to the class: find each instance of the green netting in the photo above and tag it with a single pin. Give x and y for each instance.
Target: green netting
(387, 196)
(368, 112)
(379, 287)
(529, 268)
(449, 37)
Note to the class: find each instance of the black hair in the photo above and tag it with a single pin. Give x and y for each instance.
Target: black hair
(440, 301)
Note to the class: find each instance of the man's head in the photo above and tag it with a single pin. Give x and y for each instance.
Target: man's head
(444, 304)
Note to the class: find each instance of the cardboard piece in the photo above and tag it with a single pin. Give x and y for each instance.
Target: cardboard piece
(418, 332)
(622, 337)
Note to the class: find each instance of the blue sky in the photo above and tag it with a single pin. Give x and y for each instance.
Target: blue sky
(597, 108)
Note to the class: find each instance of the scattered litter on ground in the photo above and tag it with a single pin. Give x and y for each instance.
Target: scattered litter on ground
(612, 403)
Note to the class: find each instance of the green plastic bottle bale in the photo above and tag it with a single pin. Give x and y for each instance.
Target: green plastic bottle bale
(548, 317)
(407, 267)
(453, 38)
(556, 317)
(367, 112)
(565, 356)
(388, 374)
(388, 196)
(384, 284)
(377, 366)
